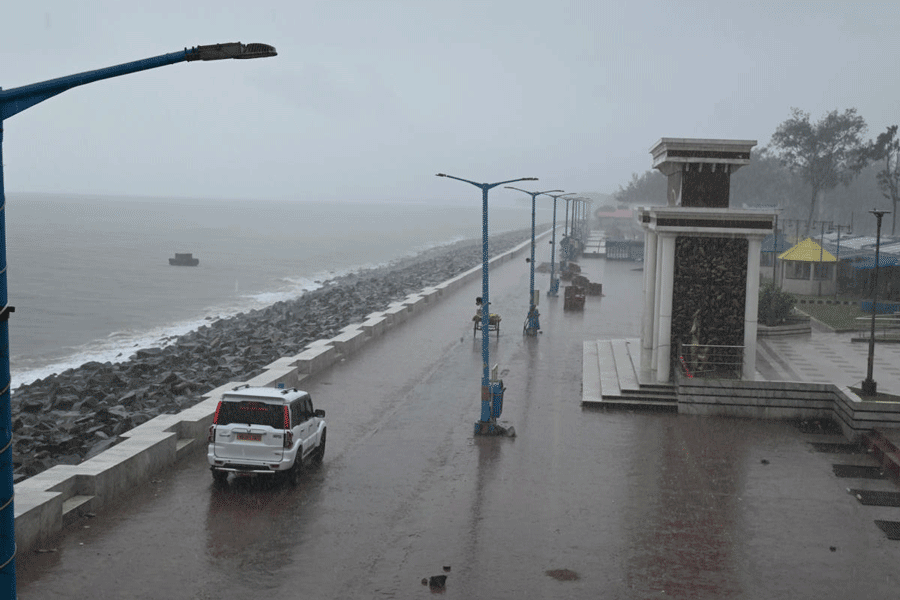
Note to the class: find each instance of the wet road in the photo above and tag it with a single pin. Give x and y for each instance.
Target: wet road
(614, 504)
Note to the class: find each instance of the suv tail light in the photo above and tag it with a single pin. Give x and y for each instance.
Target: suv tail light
(216, 416)
(288, 434)
(211, 436)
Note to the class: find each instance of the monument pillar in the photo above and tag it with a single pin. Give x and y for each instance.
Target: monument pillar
(751, 309)
(701, 263)
(649, 315)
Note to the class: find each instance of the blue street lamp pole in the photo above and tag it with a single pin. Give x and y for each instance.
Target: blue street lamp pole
(573, 238)
(566, 242)
(583, 227)
(12, 102)
(489, 390)
(532, 321)
(554, 282)
(576, 202)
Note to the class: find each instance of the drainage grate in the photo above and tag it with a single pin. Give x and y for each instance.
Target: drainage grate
(890, 528)
(858, 471)
(875, 498)
(838, 448)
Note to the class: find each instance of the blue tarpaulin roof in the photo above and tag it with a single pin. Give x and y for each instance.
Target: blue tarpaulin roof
(869, 262)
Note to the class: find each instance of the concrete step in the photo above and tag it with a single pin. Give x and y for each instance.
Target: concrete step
(638, 402)
(590, 373)
(610, 363)
(650, 393)
(184, 446)
(75, 507)
(625, 371)
(609, 379)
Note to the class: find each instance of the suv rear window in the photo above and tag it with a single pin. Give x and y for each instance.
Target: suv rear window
(251, 413)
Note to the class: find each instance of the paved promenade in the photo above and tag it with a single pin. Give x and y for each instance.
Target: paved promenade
(827, 357)
(583, 503)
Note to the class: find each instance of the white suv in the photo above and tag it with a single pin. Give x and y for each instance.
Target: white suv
(265, 430)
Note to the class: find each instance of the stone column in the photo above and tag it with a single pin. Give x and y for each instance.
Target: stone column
(664, 335)
(751, 308)
(649, 302)
(657, 282)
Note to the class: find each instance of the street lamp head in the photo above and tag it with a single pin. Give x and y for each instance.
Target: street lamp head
(234, 50)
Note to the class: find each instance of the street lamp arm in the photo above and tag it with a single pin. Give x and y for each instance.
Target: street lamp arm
(560, 195)
(15, 100)
(487, 186)
(511, 181)
(532, 194)
(481, 185)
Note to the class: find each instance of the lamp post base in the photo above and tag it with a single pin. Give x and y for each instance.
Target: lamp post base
(532, 322)
(491, 428)
(869, 387)
(554, 287)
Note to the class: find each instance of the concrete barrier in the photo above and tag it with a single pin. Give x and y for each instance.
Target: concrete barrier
(415, 302)
(397, 312)
(316, 358)
(786, 400)
(350, 341)
(48, 501)
(375, 324)
(431, 294)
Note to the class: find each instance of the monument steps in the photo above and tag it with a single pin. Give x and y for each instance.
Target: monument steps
(610, 379)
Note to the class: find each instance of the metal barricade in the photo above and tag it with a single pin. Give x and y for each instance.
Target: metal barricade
(710, 361)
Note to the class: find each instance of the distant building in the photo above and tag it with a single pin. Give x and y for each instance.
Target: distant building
(807, 269)
(856, 264)
(618, 224)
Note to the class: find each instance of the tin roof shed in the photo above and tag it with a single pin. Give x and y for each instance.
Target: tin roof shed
(808, 251)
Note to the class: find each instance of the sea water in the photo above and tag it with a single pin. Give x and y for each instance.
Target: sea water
(89, 276)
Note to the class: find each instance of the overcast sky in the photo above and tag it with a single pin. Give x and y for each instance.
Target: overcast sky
(368, 99)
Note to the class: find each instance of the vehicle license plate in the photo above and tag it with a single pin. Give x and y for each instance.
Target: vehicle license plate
(250, 437)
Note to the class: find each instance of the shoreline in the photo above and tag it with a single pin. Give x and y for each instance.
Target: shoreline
(71, 416)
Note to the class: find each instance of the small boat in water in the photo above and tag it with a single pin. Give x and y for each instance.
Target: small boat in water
(184, 260)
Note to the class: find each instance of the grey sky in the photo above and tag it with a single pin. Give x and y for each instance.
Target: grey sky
(368, 99)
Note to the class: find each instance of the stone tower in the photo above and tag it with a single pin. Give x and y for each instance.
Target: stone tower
(701, 264)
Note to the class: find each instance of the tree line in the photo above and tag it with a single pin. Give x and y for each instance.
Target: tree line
(820, 174)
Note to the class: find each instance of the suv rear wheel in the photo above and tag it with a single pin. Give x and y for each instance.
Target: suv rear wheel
(319, 454)
(292, 475)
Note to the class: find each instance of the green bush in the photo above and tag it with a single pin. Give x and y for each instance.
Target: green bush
(775, 305)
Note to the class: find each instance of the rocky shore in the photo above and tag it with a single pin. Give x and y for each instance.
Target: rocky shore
(71, 416)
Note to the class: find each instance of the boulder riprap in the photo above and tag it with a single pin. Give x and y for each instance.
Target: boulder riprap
(71, 416)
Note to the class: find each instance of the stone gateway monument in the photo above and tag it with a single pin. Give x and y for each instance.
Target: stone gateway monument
(701, 265)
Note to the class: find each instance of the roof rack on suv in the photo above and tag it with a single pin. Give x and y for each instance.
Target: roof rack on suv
(245, 385)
